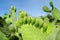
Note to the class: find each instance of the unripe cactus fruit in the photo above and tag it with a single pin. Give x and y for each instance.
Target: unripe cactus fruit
(8, 20)
(20, 21)
(28, 20)
(40, 23)
(13, 8)
(22, 14)
(45, 27)
(46, 19)
(33, 19)
(36, 23)
(25, 14)
(5, 16)
(25, 20)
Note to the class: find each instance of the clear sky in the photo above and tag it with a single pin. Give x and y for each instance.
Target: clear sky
(32, 7)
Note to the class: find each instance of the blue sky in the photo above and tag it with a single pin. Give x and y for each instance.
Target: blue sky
(32, 7)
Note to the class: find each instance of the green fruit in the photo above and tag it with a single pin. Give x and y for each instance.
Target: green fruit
(13, 8)
(5, 16)
(40, 22)
(46, 9)
(20, 21)
(36, 23)
(46, 19)
(22, 14)
(8, 20)
(33, 19)
(25, 14)
(45, 27)
(28, 20)
(25, 20)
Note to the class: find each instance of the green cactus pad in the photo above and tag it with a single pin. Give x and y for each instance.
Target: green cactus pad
(46, 9)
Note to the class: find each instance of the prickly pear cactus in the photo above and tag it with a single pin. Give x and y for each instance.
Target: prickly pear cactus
(30, 27)
(55, 12)
(25, 27)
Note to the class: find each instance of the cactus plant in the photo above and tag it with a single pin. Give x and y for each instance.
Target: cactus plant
(30, 28)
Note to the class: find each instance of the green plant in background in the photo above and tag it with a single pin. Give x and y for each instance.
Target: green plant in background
(25, 27)
(55, 12)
